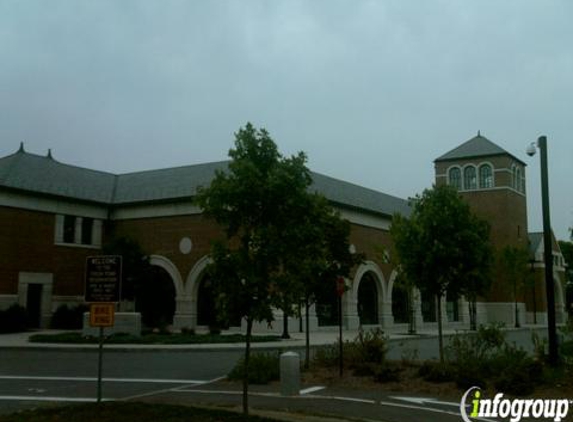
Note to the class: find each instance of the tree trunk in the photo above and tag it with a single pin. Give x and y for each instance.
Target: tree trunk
(246, 368)
(440, 334)
(307, 335)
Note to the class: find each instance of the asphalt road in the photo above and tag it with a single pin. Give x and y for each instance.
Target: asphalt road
(30, 378)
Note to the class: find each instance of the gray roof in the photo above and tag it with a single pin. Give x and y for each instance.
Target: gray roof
(478, 146)
(44, 175)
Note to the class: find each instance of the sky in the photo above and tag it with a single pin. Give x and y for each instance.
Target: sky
(371, 91)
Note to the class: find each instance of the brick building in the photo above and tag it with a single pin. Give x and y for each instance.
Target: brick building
(492, 181)
(54, 215)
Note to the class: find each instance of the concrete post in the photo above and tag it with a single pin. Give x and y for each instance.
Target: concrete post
(290, 374)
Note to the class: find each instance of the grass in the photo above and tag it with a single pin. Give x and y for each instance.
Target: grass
(128, 412)
(78, 338)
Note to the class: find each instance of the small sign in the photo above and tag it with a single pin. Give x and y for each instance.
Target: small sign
(103, 278)
(102, 314)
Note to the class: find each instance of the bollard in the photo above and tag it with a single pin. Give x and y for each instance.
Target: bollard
(290, 374)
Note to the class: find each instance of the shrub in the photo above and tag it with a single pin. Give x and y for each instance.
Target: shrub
(14, 319)
(436, 372)
(515, 372)
(369, 347)
(263, 368)
(66, 318)
(328, 356)
(386, 372)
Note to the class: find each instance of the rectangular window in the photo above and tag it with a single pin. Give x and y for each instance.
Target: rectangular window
(69, 228)
(87, 225)
(81, 231)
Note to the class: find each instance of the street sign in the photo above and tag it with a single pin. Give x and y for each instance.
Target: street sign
(102, 314)
(103, 278)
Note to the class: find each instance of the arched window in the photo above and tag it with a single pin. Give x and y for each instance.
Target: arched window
(470, 181)
(485, 176)
(455, 177)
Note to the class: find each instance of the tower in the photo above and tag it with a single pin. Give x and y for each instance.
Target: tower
(492, 181)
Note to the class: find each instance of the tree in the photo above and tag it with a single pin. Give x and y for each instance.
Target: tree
(442, 246)
(257, 202)
(514, 264)
(319, 254)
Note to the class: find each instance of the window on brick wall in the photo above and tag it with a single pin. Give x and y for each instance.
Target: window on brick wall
(485, 176)
(74, 230)
(455, 177)
(69, 229)
(87, 227)
(470, 179)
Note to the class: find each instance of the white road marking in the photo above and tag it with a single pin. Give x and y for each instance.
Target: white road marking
(311, 390)
(170, 390)
(94, 379)
(423, 400)
(54, 399)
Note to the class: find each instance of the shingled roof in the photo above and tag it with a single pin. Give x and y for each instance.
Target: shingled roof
(478, 146)
(44, 175)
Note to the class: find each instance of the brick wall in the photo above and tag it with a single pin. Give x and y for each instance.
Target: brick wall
(27, 244)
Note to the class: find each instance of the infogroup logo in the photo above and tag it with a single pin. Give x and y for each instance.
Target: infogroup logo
(514, 409)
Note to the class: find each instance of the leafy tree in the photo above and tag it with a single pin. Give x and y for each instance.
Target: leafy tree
(257, 202)
(139, 282)
(320, 253)
(514, 264)
(443, 246)
(135, 264)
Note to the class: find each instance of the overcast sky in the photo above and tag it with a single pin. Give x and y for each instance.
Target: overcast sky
(372, 91)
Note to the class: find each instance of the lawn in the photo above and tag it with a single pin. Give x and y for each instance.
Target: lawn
(152, 338)
(128, 412)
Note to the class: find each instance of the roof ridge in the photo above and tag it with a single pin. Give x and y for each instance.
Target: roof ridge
(358, 186)
(173, 168)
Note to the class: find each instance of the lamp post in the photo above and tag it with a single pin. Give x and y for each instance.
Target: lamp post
(547, 246)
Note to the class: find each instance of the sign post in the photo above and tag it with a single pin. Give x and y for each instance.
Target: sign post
(103, 282)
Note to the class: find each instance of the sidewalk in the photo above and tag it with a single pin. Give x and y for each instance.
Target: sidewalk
(424, 344)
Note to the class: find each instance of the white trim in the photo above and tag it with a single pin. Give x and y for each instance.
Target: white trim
(171, 269)
(47, 282)
(192, 280)
(450, 168)
(38, 203)
(491, 166)
(77, 245)
(464, 168)
(363, 219)
(493, 189)
(130, 212)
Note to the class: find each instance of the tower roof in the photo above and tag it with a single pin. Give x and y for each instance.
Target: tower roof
(478, 146)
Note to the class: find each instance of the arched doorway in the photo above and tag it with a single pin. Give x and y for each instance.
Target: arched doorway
(368, 300)
(206, 311)
(155, 298)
